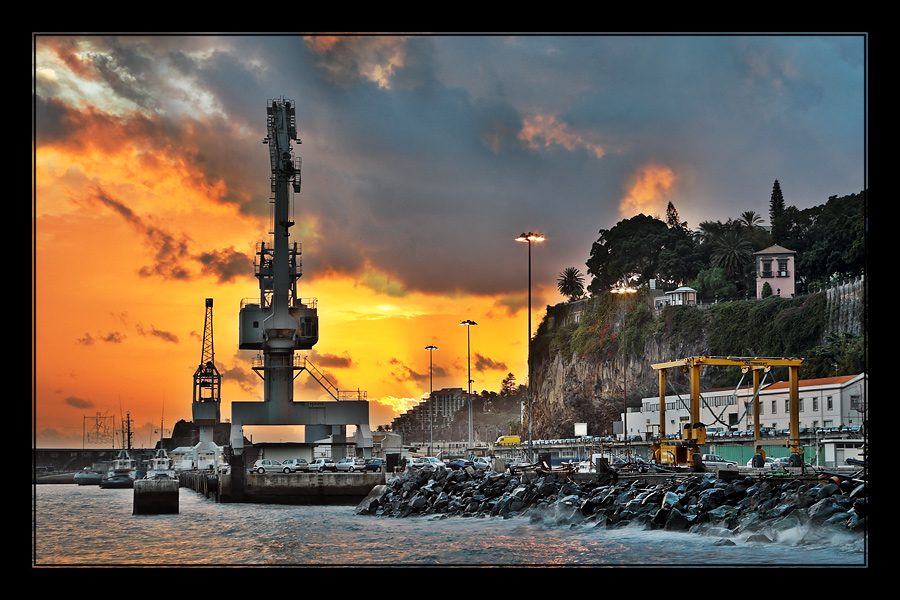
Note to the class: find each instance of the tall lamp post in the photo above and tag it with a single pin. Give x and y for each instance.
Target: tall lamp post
(468, 323)
(431, 348)
(624, 290)
(530, 238)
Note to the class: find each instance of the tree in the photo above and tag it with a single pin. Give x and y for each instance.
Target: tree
(731, 253)
(571, 283)
(750, 219)
(639, 249)
(834, 243)
(508, 385)
(672, 218)
(711, 283)
(776, 212)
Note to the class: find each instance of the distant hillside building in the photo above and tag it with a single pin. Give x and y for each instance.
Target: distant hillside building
(775, 266)
(418, 421)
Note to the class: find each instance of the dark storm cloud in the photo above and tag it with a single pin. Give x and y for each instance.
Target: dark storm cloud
(79, 402)
(484, 363)
(436, 207)
(425, 175)
(226, 265)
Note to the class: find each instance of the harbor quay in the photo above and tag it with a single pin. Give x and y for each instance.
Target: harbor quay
(277, 488)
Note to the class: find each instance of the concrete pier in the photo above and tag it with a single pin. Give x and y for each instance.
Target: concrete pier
(155, 497)
(280, 488)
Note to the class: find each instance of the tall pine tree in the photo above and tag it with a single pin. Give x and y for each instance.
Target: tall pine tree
(776, 214)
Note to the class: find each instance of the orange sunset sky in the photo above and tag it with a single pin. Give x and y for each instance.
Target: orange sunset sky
(423, 158)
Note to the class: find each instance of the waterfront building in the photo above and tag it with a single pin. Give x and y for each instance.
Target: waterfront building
(825, 404)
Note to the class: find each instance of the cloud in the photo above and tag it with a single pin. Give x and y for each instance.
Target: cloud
(226, 265)
(484, 363)
(347, 58)
(113, 337)
(401, 372)
(398, 405)
(79, 402)
(649, 192)
(331, 360)
(546, 131)
(166, 336)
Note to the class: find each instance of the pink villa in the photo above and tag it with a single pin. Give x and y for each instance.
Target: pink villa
(775, 265)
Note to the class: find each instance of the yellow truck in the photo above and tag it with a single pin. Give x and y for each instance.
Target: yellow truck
(507, 440)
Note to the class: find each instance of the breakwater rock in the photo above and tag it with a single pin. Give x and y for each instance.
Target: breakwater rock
(695, 502)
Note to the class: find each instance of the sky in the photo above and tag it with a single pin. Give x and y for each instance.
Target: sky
(423, 158)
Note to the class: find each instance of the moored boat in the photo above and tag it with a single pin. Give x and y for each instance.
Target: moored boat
(122, 472)
(161, 466)
(88, 476)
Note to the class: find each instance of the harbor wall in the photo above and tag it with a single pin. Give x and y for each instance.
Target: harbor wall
(280, 488)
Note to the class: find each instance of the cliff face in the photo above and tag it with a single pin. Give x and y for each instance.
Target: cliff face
(589, 389)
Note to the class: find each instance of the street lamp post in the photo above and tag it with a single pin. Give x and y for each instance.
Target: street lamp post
(530, 238)
(468, 323)
(625, 290)
(431, 348)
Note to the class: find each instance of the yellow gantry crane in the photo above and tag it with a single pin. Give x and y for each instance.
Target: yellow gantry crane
(684, 451)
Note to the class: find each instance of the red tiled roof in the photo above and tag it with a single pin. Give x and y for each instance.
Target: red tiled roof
(813, 382)
(784, 384)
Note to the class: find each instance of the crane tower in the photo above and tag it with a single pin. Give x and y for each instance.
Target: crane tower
(207, 379)
(278, 322)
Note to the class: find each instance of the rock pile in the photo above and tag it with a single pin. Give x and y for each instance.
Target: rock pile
(697, 502)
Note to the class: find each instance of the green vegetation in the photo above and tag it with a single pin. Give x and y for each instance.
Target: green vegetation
(773, 327)
(717, 261)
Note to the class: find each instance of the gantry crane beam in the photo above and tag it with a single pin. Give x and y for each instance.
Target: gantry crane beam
(693, 436)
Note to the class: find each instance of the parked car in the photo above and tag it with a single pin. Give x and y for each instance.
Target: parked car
(351, 464)
(269, 464)
(426, 461)
(296, 464)
(483, 463)
(374, 464)
(769, 461)
(780, 462)
(714, 460)
(460, 463)
(323, 464)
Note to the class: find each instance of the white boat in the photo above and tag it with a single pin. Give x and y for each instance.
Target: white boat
(161, 466)
(88, 476)
(122, 472)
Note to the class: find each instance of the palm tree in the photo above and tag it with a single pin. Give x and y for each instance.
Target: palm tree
(731, 252)
(571, 283)
(750, 219)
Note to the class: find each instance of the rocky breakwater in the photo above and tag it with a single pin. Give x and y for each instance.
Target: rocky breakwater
(758, 507)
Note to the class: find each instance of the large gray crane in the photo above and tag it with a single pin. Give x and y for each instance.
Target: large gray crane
(279, 322)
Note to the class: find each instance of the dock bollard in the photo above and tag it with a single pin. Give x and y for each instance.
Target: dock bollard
(155, 497)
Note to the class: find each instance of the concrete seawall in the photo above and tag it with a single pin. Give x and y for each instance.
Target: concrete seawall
(279, 488)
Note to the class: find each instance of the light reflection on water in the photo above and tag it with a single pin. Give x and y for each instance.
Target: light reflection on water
(76, 525)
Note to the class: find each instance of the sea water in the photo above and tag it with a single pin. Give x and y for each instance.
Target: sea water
(89, 526)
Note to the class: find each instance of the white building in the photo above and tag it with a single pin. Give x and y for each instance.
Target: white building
(823, 403)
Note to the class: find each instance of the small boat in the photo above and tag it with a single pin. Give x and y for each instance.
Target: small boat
(117, 480)
(88, 477)
(161, 466)
(122, 472)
